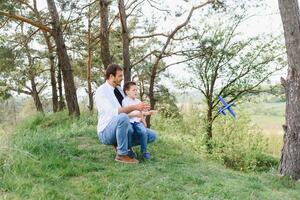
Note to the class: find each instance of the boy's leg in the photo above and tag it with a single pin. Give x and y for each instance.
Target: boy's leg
(116, 132)
(151, 137)
(141, 131)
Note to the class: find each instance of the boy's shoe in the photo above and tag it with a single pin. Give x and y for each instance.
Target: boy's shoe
(126, 159)
(146, 156)
(131, 153)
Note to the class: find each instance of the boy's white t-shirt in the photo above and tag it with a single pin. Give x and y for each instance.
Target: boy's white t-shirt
(127, 101)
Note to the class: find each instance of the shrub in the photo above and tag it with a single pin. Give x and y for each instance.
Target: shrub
(240, 145)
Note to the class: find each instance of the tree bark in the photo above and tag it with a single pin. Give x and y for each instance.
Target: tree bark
(61, 103)
(104, 33)
(70, 90)
(89, 66)
(35, 96)
(209, 124)
(290, 154)
(125, 41)
(151, 97)
(52, 72)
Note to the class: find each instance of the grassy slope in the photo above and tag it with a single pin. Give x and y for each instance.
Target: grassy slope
(55, 157)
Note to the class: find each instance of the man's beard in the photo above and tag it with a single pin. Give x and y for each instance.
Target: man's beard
(117, 84)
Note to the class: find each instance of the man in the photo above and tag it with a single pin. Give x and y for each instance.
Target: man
(113, 122)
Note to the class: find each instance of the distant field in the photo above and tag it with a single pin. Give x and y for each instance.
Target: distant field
(269, 117)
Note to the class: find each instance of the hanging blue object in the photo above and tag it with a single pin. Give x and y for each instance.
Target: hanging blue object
(226, 107)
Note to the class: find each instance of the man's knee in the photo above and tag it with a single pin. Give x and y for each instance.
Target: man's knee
(123, 118)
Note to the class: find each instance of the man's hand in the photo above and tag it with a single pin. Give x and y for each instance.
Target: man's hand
(142, 107)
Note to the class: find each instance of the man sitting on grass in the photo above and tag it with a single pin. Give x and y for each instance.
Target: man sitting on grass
(113, 122)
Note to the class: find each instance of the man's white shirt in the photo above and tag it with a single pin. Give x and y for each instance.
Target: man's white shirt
(107, 104)
(128, 102)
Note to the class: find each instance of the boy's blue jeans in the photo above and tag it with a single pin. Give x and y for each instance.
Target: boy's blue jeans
(141, 134)
(120, 132)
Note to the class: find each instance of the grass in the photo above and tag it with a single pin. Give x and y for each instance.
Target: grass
(55, 157)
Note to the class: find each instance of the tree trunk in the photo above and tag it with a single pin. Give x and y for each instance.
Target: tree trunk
(151, 97)
(104, 33)
(89, 66)
(52, 72)
(290, 155)
(209, 123)
(35, 96)
(125, 41)
(70, 90)
(61, 103)
(209, 127)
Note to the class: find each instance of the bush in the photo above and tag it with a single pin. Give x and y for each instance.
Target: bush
(240, 145)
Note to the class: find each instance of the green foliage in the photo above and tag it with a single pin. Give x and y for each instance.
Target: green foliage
(240, 145)
(166, 103)
(7, 5)
(4, 92)
(6, 59)
(278, 92)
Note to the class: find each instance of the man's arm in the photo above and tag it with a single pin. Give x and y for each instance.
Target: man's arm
(140, 106)
(135, 113)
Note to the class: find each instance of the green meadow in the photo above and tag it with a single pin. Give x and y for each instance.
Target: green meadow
(55, 157)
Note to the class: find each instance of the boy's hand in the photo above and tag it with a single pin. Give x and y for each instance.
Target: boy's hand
(153, 112)
(150, 112)
(144, 122)
(142, 106)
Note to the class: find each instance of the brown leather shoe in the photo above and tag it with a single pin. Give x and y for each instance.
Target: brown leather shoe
(126, 159)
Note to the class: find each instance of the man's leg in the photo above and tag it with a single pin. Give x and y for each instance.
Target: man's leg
(116, 132)
(130, 135)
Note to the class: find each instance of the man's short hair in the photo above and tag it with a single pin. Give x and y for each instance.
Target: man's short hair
(127, 86)
(112, 70)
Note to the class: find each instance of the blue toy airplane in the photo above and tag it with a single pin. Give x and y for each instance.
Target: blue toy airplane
(226, 107)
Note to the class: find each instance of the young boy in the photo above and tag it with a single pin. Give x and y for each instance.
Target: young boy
(137, 117)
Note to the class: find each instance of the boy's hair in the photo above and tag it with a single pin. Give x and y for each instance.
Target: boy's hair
(127, 86)
(112, 69)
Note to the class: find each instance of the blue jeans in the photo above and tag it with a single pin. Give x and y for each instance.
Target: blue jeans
(120, 132)
(141, 132)
(134, 138)
(116, 133)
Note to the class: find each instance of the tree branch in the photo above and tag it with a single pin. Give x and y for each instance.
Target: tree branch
(134, 8)
(169, 65)
(26, 20)
(42, 87)
(144, 57)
